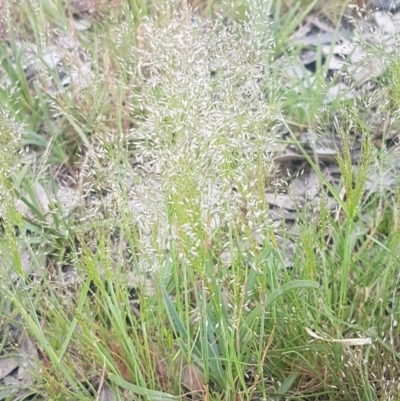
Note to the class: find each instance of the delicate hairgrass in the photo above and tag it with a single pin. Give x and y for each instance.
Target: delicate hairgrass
(198, 109)
(394, 69)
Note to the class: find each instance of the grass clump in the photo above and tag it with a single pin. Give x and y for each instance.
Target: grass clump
(141, 257)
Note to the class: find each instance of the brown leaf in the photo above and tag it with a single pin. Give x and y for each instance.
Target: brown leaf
(161, 370)
(193, 379)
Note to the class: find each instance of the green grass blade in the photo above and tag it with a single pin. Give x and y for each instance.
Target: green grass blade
(293, 285)
(145, 392)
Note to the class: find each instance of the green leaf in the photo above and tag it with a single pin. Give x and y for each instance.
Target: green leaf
(249, 321)
(145, 392)
(293, 285)
(178, 325)
(210, 343)
(287, 383)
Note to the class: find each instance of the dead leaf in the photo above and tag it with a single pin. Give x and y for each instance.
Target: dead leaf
(28, 361)
(305, 186)
(308, 57)
(321, 38)
(386, 22)
(81, 24)
(284, 201)
(277, 215)
(3, 21)
(288, 249)
(161, 370)
(69, 199)
(193, 379)
(338, 92)
(81, 76)
(226, 257)
(25, 257)
(377, 182)
(107, 393)
(385, 4)
(9, 386)
(95, 8)
(7, 365)
(336, 63)
(367, 69)
(344, 341)
(289, 155)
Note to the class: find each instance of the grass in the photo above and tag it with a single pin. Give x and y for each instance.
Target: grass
(138, 253)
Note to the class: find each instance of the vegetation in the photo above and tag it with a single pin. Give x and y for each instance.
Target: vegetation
(141, 257)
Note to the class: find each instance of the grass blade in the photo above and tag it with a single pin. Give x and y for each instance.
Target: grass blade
(293, 285)
(145, 392)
